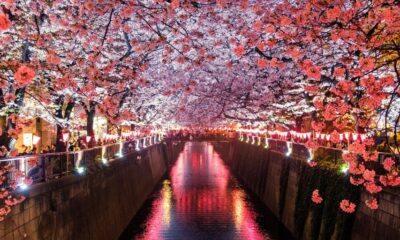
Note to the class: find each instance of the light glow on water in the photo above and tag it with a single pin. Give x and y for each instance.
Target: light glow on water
(201, 201)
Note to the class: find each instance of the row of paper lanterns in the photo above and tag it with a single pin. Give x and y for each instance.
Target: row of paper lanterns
(307, 135)
(342, 136)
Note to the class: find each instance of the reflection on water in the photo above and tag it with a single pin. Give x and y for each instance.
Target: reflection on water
(200, 200)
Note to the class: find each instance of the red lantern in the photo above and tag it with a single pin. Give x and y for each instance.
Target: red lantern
(65, 137)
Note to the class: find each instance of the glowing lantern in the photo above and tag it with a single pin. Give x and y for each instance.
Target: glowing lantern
(271, 132)
(355, 136)
(311, 155)
(290, 148)
(363, 137)
(35, 140)
(137, 147)
(27, 140)
(65, 137)
(328, 137)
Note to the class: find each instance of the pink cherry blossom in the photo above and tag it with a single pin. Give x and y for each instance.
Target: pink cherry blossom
(372, 203)
(388, 163)
(13, 153)
(356, 180)
(5, 23)
(369, 175)
(240, 50)
(356, 168)
(372, 187)
(24, 75)
(347, 206)
(312, 164)
(9, 97)
(316, 198)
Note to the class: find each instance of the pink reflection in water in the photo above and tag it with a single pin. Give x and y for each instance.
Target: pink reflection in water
(202, 201)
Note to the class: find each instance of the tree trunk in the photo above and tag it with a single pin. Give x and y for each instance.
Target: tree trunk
(61, 146)
(119, 130)
(62, 114)
(19, 99)
(89, 126)
(298, 123)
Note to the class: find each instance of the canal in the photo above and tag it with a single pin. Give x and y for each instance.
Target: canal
(201, 199)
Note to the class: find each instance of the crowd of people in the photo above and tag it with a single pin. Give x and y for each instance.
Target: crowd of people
(74, 145)
(199, 135)
(32, 150)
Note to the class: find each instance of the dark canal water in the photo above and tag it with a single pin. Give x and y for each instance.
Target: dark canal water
(201, 199)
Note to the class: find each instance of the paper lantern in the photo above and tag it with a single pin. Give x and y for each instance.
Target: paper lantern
(27, 139)
(363, 137)
(35, 140)
(328, 137)
(65, 137)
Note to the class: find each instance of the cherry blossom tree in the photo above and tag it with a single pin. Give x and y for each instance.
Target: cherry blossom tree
(204, 62)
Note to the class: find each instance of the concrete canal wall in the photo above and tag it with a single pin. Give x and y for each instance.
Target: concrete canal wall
(285, 185)
(98, 205)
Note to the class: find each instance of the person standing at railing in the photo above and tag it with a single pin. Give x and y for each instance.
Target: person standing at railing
(37, 172)
(82, 144)
(52, 148)
(24, 150)
(71, 146)
(33, 150)
(76, 147)
(45, 149)
(131, 148)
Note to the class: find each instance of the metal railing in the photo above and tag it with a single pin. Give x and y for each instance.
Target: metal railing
(49, 166)
(300, 151)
